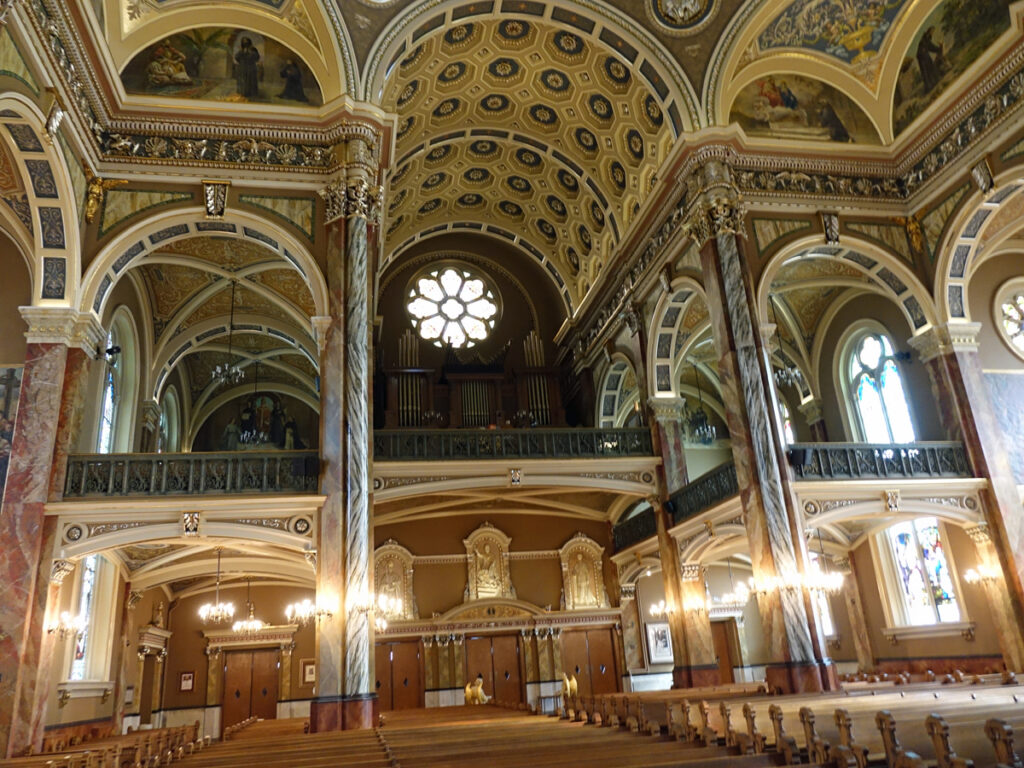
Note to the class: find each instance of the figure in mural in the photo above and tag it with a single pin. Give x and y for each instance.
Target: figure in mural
(930, 59)
(277, 427)
(167, 66)
(488, 577)
(292, 76)
(247, 69)
(829, 119)
(229, 439)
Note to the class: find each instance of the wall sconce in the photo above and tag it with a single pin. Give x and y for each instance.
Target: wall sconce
(63, 697)
(67, 626)
(983, 573)
(695, 606)
(305, 612)
(660, 610)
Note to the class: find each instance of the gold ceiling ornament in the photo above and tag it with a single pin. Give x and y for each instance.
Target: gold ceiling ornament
(97, 192)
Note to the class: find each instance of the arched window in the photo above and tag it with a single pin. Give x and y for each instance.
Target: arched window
(119, 386)
(94, 603)
(924, 589)
(787, 423)
(875, 387)
(169, 437)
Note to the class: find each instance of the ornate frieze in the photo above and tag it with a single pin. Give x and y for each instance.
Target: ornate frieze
(582, 574)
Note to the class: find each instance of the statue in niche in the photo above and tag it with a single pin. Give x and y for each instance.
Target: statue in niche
(487, 564)
(158, 616)
(582, 574)
(393, 576)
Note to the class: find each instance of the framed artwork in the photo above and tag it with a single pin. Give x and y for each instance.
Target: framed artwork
(129, 694)
(659, 643)
(308, 667)
(187, 681)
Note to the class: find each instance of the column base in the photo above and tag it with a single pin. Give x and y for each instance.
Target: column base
(801, 677)
(695, 677)
(343, 713)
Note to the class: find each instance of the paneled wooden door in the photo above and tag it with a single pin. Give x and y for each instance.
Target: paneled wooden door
(721, 632)
(498, 660)
(250, 686)
(399, 676)
(590, 656)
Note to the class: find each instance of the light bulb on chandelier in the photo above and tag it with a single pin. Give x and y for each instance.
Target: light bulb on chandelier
(249, 625)
(217, 612)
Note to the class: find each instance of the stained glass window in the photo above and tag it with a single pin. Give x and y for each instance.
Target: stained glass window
(1013, 319)
(108, 410)
(877, 390)
(86, 595)
(452, 306)
(922, 570)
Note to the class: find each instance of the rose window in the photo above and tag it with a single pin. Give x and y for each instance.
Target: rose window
(1012, 310)
(452, 306)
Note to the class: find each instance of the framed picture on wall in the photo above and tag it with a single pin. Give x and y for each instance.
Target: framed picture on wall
(187, 681)
(659, 643)
(308, 667)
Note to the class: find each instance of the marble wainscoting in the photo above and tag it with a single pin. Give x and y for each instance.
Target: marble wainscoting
(647, 681)
(446, 697)
(208, 717)
(293, 708)
(544, 696)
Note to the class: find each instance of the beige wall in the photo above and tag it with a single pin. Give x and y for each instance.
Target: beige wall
(15, 291)
(994, 351)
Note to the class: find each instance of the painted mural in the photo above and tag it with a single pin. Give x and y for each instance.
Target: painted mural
(851, 30)
(10, 389)
(953, 36)
(798, 108)
(222, 64)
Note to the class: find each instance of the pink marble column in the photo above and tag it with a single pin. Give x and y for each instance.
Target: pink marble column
(666, 416)
(774, 526)
(950, 355)
(47, 413)
(700, 646)
(855, 612)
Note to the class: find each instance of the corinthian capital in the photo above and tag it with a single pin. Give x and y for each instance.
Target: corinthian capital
(716, 206)
(334, 201)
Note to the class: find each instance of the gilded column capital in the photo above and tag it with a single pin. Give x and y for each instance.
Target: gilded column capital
(627, 592)
(363, 200)
(63, 325)
(667, 410)
(690, 571)
(333, 195)
(716, 205)
(321, 323)
(134, 596)
(59, 570)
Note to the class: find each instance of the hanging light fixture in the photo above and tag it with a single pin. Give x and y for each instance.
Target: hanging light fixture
(700, 429)
(737, 596)
(217, 612)
(302, 613)
(788, 375)
(254, 436)
(249, 625)
(823, 579)
(228, 372)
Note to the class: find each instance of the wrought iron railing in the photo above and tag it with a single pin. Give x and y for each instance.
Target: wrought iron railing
(175, 474)
(865, 461)
(705, 492)
(455, 444)
(634, 530)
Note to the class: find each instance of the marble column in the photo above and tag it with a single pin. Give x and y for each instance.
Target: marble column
(121, 658)
(48, 414)
(345, 692)
(950, 355)
(855, 612)
(672, 583)
(998, 598)
(545, 665)
(631, 643)
(284, 692)
(530, 656)
(444, 664)
(459, 661)
(773, 523)
(812, 413)
(666, 419)
(700, 647)
(214, 667)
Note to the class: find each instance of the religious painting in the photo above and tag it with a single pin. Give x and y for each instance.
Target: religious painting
(799, 108)
(659, 643)
(222, 64)
(952, 37)
(263, 423)
(850, 30)
(10, 389)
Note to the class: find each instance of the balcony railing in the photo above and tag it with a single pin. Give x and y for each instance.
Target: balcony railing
(705, 492)
(866, 461)
(175, 474)
(634, 530)
(448, 444)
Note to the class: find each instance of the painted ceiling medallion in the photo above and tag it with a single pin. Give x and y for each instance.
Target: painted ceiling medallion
(682, 17)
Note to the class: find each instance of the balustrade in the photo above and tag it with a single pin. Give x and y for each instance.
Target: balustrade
(445, 444)
(866, 461)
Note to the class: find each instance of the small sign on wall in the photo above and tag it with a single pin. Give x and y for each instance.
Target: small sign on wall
(187, 681)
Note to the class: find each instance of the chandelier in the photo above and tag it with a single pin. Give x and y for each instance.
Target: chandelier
(249, 625)
(304, 612)
(381, 606)
(788, 376)
(67, 625)
(217, 612)
(701, 431)
(254, 435)
(227, 372)
(737, 596)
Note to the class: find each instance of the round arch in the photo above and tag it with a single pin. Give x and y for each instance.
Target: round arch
(51, 219)
(207, 409)
(156, 231)
(665, 322)
(614, 399)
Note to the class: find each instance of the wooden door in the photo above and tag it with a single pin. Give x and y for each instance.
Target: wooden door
(720, 637)
(237, 687)
(406, 686)
(478, 662)
(382, 668)
(265, 678)
(601, 654)
(508, 687)
(575, 660)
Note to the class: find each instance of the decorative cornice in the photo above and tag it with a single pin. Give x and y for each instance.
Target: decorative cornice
(811, 410)
(63, 325)
(667, 409)
(945, 339)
